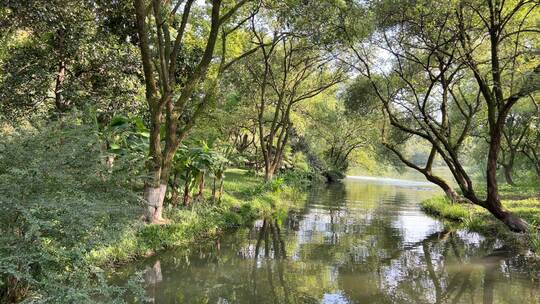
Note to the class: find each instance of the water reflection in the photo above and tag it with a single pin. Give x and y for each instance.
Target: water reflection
(358, 242)
(152, 278)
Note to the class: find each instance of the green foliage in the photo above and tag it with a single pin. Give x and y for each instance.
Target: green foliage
(535, 242)
(299, 161)
(360, 97)
(192, 164)
(20, 92)
(68, 186)
(58, 54)
(127, 136)
(58, 201)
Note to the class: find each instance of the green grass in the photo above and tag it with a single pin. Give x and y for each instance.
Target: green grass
(443, 208)
(477, 219)
(247, 197)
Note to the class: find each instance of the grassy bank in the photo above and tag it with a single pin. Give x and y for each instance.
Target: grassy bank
(246, 198)
(477, 219)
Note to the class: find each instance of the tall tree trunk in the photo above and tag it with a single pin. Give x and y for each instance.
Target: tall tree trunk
(268, 173)
(155, 188)
(154, 197)
(214, 189)
(508, 165)
(59, 87)
(508, 174)
(268, 170)
(498, 108)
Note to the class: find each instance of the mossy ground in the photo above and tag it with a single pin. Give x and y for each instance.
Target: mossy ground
(477, 219)
(247, 197)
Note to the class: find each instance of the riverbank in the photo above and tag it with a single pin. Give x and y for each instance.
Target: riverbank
(523, 200)
(65, 217)
(247, 197)
(335, 249)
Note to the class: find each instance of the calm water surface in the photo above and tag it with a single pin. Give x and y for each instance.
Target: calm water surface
(362, 241)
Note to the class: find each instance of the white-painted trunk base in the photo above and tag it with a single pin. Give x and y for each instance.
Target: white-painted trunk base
(154, 197)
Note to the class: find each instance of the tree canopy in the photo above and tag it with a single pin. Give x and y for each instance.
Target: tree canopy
(172, 93)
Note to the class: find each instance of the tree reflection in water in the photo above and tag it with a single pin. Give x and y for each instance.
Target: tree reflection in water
(359, 243)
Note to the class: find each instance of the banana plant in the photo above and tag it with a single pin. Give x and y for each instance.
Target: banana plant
(192, 165)
(218, 171)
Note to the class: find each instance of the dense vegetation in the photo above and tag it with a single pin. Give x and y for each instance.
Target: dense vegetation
(128, 126)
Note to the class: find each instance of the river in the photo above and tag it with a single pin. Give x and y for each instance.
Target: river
(361, 241)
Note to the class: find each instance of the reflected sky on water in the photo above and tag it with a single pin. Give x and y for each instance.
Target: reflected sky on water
(362, 241)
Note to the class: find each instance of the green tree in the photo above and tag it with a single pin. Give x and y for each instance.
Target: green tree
(518, 127)
(436, 50)
(63, 53)
(177, 43)
(289, 70)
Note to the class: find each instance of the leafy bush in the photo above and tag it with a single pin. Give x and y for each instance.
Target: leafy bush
(58, 201)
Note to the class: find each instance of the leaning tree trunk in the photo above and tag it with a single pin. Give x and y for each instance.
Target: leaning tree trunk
(513, 222)
(493, 201)
(450, 193)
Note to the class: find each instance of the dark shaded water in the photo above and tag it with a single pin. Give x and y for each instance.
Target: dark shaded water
(363, 241)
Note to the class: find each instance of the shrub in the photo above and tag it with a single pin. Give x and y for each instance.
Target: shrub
(58, 201)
